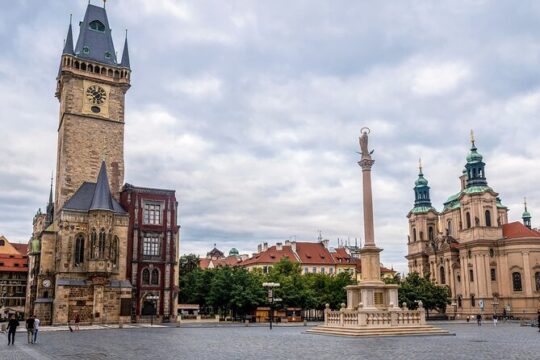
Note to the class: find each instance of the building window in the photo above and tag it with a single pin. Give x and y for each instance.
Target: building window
(331, 270)
(113, 250)
(493, 274)
(473, 301)
(101, 244)
(151, 245)
(442, 275)
(537, 280)
(97, 26)
(155, 277)
(421, 235)
(314, 270)
(79, 250)
(265, 269)
(491, 253)
(488, 218)
(469, 254)
(468, 219)
(146, 277)
(516, 281)
(306, 270)
(459, 304)
(107, 55)
(414, 234)
(449, 227)
(323, 270)
(152, 214)
(430, 233)
(471, 275)
(93, 241)
(2, 242)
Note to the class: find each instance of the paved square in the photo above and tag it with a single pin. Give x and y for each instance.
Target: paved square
(507, 341)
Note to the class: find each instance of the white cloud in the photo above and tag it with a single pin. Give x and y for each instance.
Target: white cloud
(439, 79)
(204, 87)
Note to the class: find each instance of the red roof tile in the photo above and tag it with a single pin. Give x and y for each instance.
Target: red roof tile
(271, 256)
(230, 260)
(21, 248)
(313, 253)
(7, 263)
(516, 230)
(204, 263)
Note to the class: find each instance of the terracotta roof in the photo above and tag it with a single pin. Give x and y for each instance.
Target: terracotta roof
(21, 248)
(204, 263)
(228, 261)
(515, 230)
(271, 256)
(13, 263)
(342, 257)
(313, 253)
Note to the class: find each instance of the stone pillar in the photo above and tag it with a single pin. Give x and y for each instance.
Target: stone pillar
(369, 233)
(527, 274)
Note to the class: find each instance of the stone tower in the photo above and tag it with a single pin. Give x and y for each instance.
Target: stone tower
(91, 86)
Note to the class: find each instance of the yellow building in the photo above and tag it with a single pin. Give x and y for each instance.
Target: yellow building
(490, 265)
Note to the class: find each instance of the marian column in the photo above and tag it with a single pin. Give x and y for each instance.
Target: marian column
(371, 267)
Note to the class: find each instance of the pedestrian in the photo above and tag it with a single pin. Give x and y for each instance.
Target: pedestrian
(30, 329)
(77, 321)
(495, 318)
(12, 329)
(36, 328)
(504, 315)
(479, 319)
(538, 320)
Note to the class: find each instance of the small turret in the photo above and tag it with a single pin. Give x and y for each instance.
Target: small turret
(526, 216)
(50, 207)
(125, 55)
(422, 201)
(475, 167)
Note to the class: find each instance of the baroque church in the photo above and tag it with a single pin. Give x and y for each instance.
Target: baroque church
(490, 265)
(103, 252)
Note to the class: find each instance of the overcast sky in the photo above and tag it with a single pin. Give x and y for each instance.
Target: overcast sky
(251, 110)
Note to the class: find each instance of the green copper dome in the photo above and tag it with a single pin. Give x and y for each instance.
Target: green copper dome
(233, 251)
(421, 181)
(474, 156)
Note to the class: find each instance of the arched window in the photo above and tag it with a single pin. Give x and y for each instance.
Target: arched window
(97, 26)
(468, 219)
(471, 275)
(493, 274)
(79, 250)
(101, 244)
(537, 280)
(473, 301)
(459, 301)
(83, 66)
(146, 277)
(414, 234)
(442, 275)
(155, 277)
(421, 235)
(516, 281)
(449, 227)
(488, 218)
(430, 233)
(93, 242)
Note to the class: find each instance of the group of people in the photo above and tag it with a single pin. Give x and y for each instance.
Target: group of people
(32, 328)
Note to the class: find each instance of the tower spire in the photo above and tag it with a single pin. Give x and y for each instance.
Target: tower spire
(68, 44)
(526, 214)
(472, 139)
(422, 202)
(125, 54)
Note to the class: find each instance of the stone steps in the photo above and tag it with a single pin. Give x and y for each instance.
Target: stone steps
(421, 330)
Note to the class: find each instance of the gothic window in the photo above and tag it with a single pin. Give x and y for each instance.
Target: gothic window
(414, 234)
(537, 280)
(93, 241)
(473, 301)
(152, 214)
(97, 26)
(449, 228)
(151, 245)
(430, 233)
(79, 250)
(155, 277)
(468, 219)
(516, 281)
(101, 244)
(471, 275)
(488, 218)
(442, 275)
(146, 277)
(493, 274)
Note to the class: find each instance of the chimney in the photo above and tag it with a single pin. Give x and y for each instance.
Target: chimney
(293, 246)
(325, 243)
(279, 246)
(265, 246)
(259, 248)
(287, 242)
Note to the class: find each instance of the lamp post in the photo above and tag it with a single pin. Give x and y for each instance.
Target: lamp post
(154, 299)
(454, 304)
(270, 286)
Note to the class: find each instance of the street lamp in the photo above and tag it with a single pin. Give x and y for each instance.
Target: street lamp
(270, 286)
(154, 299)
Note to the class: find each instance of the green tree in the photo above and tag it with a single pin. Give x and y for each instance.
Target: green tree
(188, 263)
(416, 288)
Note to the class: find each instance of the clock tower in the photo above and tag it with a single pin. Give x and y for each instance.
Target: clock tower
(91, 88)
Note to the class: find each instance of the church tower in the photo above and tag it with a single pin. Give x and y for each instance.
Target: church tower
(526, 216)
(91, 86)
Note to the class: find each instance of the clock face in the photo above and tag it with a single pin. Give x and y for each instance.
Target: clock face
(96, 95)
(47, 283)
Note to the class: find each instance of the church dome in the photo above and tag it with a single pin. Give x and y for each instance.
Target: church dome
(474, 156)
(421, 181)
(233, 251)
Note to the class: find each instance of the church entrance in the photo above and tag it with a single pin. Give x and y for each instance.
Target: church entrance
(149, 307)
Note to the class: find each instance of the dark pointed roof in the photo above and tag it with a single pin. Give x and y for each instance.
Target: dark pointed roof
(68, 46)
(95, 196)
(125, 55)
(95, 37)
(102, 199)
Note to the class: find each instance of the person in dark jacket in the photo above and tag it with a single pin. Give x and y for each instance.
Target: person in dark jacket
(12, 329)
(538, 320)
(479, 319)
(30, 329)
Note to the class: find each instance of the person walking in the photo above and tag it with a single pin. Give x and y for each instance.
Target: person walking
(30, 329)
(77, 321)
(479, 319)
(539, 320)
(36, 328)
(12, 329)
(495, 319)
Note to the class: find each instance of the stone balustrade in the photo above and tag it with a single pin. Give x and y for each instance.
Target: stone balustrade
(374, 318)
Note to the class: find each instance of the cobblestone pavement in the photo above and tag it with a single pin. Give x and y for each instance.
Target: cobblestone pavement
(507, 341)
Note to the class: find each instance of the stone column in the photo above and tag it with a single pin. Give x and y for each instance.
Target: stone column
(527, 274)
(369, 233)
